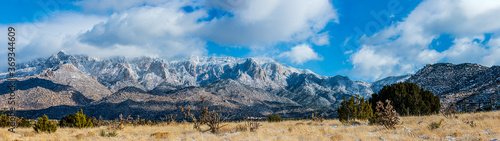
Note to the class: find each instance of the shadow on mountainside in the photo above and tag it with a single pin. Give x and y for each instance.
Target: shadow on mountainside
(33, 83)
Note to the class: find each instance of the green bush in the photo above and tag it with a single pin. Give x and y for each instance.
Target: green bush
(24, 123)
(355, 108)
(78, 120)
(436, 125)
(4, 120)
(278, 118)
(408, 99)
(43, 124)
(274, 118)
(104, 133)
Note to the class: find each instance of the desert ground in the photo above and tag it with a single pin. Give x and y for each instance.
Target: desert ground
(473, 126)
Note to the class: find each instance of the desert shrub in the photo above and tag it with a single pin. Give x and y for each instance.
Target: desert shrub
(112, 133)
(104, 133)
(450, 111)
(270, 118)
(23, 122)
(43, 124)
(138, 121)
(161, 135)
(214, 120)
(28, 134)
(274, 118)
(4, 119)
(207, 116)
(79, 136)
(78, 120)
(436, 125)
(241, 128)
(254, 126)
(278, 118)
(387, 116)
(408, 99)
(97, 122)
(91, 134)
(68, 120)
(170, 119)
(355, 108)
(315, 117)
(470, 123)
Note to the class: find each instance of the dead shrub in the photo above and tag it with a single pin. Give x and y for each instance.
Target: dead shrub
(450, 111)
(161, 135)
(254, 126)
(29, 134)
(336, 137)
(387, 116)
(315, 117)
(241, 128)
(211, 118)
(79, 136)
(91, 134)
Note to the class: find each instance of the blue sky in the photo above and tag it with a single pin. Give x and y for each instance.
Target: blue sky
(365, 39)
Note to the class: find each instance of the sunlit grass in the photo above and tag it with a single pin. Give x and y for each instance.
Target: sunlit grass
(486, 127)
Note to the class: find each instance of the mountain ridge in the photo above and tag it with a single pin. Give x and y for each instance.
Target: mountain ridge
(260, 85)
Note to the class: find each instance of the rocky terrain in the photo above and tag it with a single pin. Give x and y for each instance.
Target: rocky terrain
(154, 87)
(459, 83)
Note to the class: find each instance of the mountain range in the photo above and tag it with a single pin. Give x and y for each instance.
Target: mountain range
(153, 87)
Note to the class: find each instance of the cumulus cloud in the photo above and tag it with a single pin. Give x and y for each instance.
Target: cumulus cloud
(300, 54)
(263, 22)
(168, 28)
(407, 42)
(58, 32)
(256, 24)
(165, 30)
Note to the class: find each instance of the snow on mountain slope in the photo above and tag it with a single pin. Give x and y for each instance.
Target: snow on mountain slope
(148, 72)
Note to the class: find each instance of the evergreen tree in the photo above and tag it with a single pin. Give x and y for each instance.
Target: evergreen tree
(408, 99)
(355, 108)
(43, 124)
(78, 120)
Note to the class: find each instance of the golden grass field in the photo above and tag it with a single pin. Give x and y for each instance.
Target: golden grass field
(487, 127)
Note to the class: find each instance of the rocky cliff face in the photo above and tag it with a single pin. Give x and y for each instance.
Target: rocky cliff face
(152, 87)
(261, 85)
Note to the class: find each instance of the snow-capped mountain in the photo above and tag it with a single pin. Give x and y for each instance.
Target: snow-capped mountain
(459, 83)
(63, 83)
(147, 73)
(260, 83)
(377, 85)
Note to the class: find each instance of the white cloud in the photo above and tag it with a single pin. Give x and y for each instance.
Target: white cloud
(300, 54)
(163, 28)
(368, 63)
(465, 50)
(114, 5)
(264, 23)
(321, 39)
(256, 24)
(57, 33)
(408, 41)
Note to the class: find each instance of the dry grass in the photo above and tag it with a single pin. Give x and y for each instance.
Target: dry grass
(412, 128)
(160, 135)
